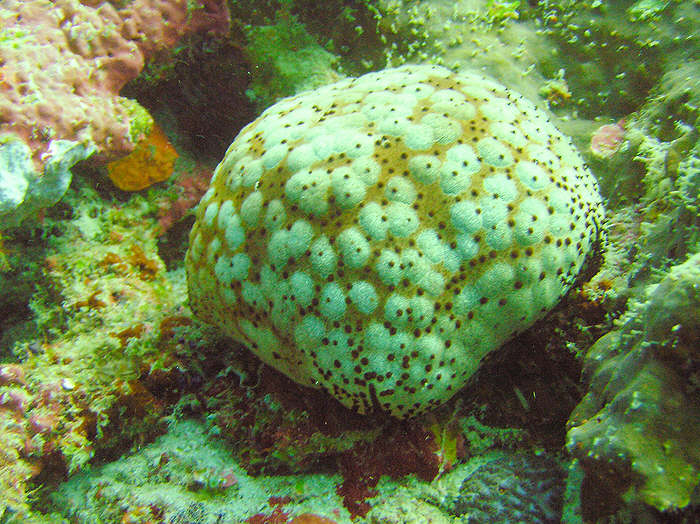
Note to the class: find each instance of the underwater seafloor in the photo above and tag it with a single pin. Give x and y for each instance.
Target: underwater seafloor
(118, 406)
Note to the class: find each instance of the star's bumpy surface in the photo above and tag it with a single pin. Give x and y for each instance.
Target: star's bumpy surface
(379, 236)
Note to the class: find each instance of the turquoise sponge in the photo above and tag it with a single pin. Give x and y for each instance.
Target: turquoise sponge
(379, 236)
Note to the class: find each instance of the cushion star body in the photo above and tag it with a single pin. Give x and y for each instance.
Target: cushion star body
(379, 236)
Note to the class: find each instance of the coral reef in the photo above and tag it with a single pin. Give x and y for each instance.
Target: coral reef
(607, 139)
(400, 450)
(354, 42)
(99, 354)
(513, 488)
(494, 37)
(174, 91)
(498, 486)
(274, 425)
(635, 432)
(379, 236)
(187, 190)
(186, 476)
(77, 56)
(104, 317)
(651, 182)
(288, 60)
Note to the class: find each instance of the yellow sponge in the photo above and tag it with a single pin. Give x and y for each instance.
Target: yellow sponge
(153, 160)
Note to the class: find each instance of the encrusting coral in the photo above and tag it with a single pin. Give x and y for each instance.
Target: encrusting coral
(77, 56)
(379, 236)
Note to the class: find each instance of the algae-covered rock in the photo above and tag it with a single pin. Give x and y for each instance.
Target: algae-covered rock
(185, 476)
(288, 60)
(637, 431)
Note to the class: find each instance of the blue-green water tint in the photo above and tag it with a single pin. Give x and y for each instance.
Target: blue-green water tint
(117, 406)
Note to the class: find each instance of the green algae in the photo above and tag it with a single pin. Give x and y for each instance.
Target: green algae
(288, 60)
(645, 9)
(500, 11)
(481, 438)
(13, 37)
(640, 415)
(140, 120)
